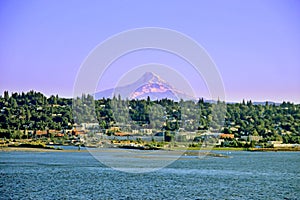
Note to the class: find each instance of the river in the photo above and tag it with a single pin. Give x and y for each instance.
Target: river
(78, 175)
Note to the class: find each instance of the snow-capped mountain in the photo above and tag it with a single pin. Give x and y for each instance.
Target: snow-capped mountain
(150, 85)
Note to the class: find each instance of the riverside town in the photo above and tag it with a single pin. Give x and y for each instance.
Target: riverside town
(34, 120)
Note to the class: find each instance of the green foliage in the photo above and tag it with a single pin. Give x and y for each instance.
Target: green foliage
(33, 111)
(169, 137)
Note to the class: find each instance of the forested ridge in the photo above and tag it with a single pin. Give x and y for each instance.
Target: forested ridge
(35, 111)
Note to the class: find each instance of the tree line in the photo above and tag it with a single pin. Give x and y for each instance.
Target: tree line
(34, 111)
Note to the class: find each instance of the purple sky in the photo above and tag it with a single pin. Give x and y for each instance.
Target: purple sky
(255, 44)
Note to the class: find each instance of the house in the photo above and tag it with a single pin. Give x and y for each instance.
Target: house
(85, 126)
(188, 136)
(226, 136)
(53, 131)
(210, 135)
(78, 132)
(285, 145)
(251, 138)
(40, 133)
(90, 126)
(146, 131)
(122, 134)
(59, 135)
(78, 127)
(113, 129)
(274, 142)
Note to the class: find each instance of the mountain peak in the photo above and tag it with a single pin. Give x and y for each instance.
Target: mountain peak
(149, 74)
(149, 84)
(151, 77)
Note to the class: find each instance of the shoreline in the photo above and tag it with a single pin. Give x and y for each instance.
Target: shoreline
(33, 149)
(36, 149)
(274, 149)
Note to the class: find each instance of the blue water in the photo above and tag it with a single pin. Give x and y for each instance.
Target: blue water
(77, 175)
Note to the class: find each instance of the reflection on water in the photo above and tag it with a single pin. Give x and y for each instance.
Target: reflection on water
(78, 175)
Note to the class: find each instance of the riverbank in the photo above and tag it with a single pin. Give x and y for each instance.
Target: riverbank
(275, 149)
(43, 149)
(29, 149)
(247, 149)
(33, 149)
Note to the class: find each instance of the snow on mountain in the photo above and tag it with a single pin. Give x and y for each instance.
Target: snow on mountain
(150, 85)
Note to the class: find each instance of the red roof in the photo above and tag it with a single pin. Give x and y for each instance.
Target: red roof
(223, 136)
(59, 135)
(122, 134)
(41, 132)
(75, 132)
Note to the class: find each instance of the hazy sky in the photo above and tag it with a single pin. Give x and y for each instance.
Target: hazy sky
(255, 44)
